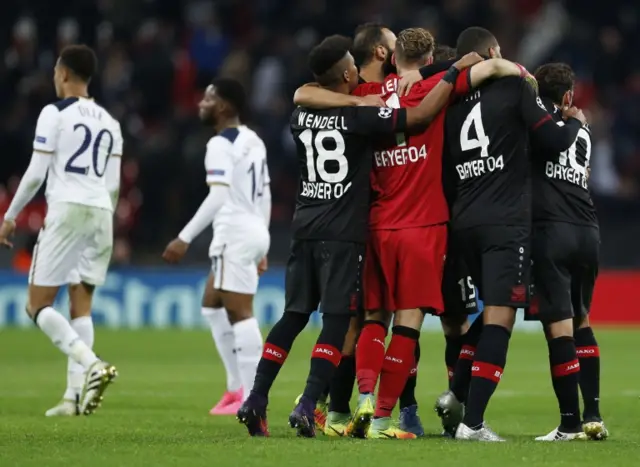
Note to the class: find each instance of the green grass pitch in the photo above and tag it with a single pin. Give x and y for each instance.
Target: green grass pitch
(157, 412)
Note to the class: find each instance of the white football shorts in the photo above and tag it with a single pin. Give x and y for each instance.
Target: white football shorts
(234, 262)
(74, 245)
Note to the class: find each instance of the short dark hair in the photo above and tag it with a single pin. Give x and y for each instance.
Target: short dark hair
(414, 44)
(444, 52)
(554, 80)
(325, 55)
(231, 91)
(365, 39)
(81, 60)
(475, 39)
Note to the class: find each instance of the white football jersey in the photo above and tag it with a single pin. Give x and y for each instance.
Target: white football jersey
(237, 157)
(81, 136)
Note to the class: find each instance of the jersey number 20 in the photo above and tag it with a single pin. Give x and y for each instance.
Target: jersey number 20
(95, 149)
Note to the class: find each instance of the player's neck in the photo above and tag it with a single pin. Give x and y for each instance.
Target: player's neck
(406, 68)
(75, 91)
(224, 123)
(372, 73)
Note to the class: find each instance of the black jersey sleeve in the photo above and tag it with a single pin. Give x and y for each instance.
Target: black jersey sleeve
(376, 120)
(543, 129)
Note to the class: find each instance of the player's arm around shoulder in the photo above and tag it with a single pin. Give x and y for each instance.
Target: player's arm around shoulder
(312, 96)
(439, 95)
(492, 69)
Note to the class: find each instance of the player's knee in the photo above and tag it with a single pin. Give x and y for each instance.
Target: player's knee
(349, 346)
(500, 316)
(581, 322)
(239, 306)
(40, 297)
(454, 324)
(563, 328)
(409, 318)
(377, 315)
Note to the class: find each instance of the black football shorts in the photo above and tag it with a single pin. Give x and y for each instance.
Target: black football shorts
(325, 273)
(565, 261)
(458, 288)
(498, 261)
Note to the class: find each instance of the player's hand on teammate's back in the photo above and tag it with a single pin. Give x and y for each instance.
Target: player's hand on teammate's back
(468, 60)
(175, 251)
(407, 81)
(372, 100)
(263, 265)
(574, 112)
(6, 231)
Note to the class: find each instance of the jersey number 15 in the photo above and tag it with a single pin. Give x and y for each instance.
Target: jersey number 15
(95, 149)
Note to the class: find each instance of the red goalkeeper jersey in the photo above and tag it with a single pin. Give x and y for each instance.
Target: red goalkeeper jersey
(406, 180)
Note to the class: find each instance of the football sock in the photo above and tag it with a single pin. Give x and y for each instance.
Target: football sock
(342, 385)
(490, 359)
(325, 394)
(459, 383)
(408, 396)
(589, 357)
(453, 345)
(248, 349)
(326, 354)
(370, 355)
(398, 362)
(565, 372)
(75, 372)
(59, 330)
(223, 337)
(275, 351)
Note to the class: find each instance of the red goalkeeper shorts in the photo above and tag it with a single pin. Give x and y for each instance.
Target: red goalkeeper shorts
(403, 269)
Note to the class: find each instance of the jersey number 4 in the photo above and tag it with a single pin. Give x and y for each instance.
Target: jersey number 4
(481, 141)
(95, 144)
(325, 155)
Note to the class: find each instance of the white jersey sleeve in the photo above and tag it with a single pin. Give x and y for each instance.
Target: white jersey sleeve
(118, 141)
(219, 161)
(47, 129)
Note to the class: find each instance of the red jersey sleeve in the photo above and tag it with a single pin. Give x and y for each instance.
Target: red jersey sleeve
(367, 89)
(463, 82)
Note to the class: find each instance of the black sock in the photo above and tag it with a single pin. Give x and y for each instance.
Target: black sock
(325, 394)
(459, 383)
(565, 372)
(408, 396)
(276, 348)
(453, 345)
(589, 357)
(488, 365)
(326, 354)
(342, 385)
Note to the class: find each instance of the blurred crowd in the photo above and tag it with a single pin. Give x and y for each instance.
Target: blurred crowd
(156, 57)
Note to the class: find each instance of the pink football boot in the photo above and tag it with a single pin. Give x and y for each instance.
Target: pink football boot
(229, 404)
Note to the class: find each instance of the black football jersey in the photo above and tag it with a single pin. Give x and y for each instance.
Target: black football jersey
(560, 180)
(487, 155)
(335, 150)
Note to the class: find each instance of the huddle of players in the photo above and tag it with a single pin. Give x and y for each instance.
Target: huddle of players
(502, 148)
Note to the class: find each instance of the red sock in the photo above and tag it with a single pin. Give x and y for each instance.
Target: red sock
(396, 368)
(370, 355)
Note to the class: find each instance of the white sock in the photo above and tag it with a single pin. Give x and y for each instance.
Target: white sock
(54, 325)
(248, 344)
(222, 333)
(75, 372)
